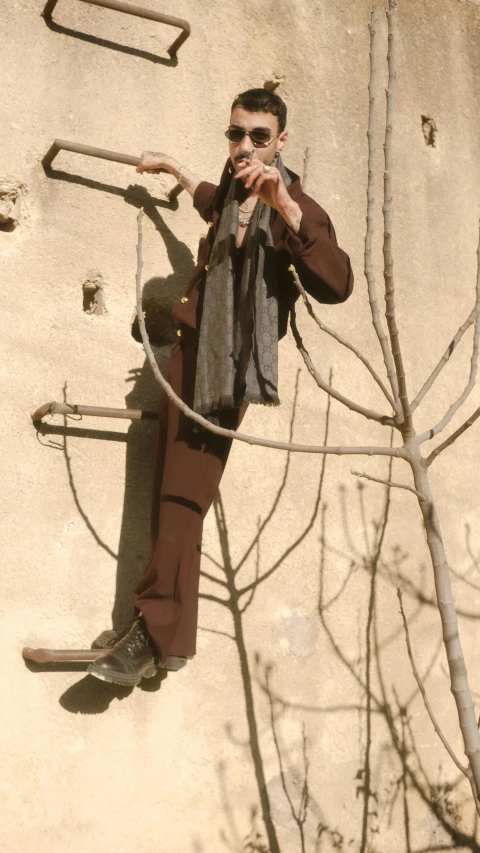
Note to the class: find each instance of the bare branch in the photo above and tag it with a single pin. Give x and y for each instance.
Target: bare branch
(458, 432)
(373, 560)
(387, 232)
(306, 161)
(455, 340)
(428, 707)
(365, 476)
(340, 340)
(369, 273)
(473, 366)
(230, 433)
(350, 404)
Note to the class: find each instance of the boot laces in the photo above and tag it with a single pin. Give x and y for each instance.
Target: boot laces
(135, 639)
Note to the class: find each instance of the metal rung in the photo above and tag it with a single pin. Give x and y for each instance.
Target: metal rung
(119, 6)
(54, 408)
(61, 655)
(102, 154)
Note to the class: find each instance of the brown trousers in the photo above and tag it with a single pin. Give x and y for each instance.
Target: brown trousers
(189, 463)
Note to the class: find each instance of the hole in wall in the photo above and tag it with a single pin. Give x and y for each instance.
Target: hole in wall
(10, 204)
(429, 130)
(93, 295)
(273, 82)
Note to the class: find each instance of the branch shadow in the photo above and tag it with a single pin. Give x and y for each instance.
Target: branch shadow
(237, 596)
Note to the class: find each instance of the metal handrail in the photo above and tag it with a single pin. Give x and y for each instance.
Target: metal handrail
(103, 154)
(54, 408)
(140, 12)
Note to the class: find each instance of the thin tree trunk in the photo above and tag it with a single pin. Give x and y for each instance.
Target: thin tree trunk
(456, 662)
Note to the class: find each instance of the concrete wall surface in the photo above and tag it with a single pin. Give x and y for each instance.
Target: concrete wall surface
(302, 728)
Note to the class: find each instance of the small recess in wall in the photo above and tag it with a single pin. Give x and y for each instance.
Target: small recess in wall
(10, 200)
(274, 82)
(93, 295)
(429, 129)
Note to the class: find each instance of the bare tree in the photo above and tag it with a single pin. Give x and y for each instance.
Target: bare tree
(402, 407)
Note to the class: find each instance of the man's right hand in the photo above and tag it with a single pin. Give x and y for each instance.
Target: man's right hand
(153, 161)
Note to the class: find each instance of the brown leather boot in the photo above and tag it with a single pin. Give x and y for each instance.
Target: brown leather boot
(109, 638)
(129, 660)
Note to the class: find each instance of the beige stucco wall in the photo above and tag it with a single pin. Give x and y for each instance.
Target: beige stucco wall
(89, 768)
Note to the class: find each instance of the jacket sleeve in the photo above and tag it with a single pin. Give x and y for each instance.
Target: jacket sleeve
(323, 267)
(204, 199)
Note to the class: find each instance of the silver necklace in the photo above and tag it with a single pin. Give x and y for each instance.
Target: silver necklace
(245, 209)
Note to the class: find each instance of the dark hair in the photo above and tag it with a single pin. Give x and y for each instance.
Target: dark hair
(263, 101)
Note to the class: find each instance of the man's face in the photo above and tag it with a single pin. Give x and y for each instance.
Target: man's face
(240, 151)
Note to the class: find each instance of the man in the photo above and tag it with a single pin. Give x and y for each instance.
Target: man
(228, 324)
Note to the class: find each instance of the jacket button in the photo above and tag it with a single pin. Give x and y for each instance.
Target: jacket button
(179, 333)
(206, 266)
(184, 299)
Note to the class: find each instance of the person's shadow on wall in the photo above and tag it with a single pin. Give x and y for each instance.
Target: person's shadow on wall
(159, 295)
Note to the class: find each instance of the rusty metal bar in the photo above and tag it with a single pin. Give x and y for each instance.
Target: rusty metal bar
(102, 154)
(61, 655)
(54, 408)
(139, 12)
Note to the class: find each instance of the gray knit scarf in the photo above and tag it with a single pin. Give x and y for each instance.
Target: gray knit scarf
(238, 344)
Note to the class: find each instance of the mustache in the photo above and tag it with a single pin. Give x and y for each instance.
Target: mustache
(244, 156)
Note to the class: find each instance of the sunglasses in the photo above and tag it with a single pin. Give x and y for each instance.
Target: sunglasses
(259, 138)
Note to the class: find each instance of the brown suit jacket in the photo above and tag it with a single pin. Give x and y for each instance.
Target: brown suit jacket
(323, 267)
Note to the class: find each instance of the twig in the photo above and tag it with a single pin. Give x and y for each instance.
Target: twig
(458, 432)
(373, 560)
(350, 404)
(369, 272)
(473, 366)
(388, 483)
(300, 816)
(306, 161)
(230, 433)
(428, 707)
(387, 232)
(445, 357)
(340, 340)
